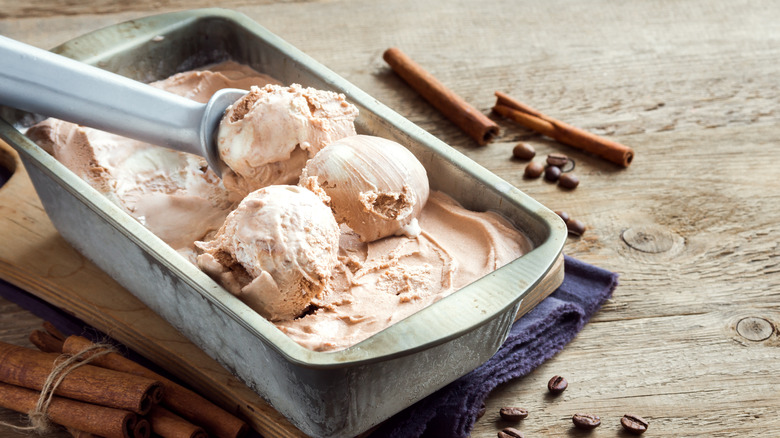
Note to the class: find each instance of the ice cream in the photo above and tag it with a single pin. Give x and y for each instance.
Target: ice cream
(275, 251)
(160, 188)
(377, 284)
(267, 136)
(281, 251)
(374, 185)
(172, 193)
(200, 85)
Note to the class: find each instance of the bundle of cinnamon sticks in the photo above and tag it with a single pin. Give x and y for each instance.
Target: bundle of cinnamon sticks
(110, 396)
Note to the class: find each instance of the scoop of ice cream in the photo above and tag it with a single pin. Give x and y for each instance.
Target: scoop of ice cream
(275, 251)
(267, 136)
(376, 186)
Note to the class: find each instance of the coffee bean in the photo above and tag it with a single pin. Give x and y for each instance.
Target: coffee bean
(569, 181)
(557, 160)
(523, 151)
(586, 421)
(510, 432)
(557, 385)
(513, 413)
(533, 170)
(565, 216)
(634, 424)
(552, 173)
(575, 227)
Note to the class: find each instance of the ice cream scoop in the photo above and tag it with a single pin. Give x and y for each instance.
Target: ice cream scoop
(375, 186)
(36, 80)
(275, 251)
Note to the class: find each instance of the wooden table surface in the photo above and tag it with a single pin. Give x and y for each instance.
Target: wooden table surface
(690, 338)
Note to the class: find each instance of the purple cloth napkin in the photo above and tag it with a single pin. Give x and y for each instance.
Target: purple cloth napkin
(451, 411)
(534, 338)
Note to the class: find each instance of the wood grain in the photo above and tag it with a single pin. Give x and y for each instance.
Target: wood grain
(691, 226)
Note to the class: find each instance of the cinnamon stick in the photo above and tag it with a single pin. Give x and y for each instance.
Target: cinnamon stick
(85, 417)
(142, 428)
(75, 433)
(30, 369)
(169, 425)
(477, 125)
(532, 119)
(46, 342)
(179, 399)
(50, 329)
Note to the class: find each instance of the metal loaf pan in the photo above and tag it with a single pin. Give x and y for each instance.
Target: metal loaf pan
(330, 394)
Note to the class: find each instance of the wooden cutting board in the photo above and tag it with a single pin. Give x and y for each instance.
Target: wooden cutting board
(34, 257)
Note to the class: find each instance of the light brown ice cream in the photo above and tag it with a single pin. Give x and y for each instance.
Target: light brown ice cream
(172, 193)
(200, 85)
(378, 284)
(374, 185)
(267, 136)
(275, 251)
